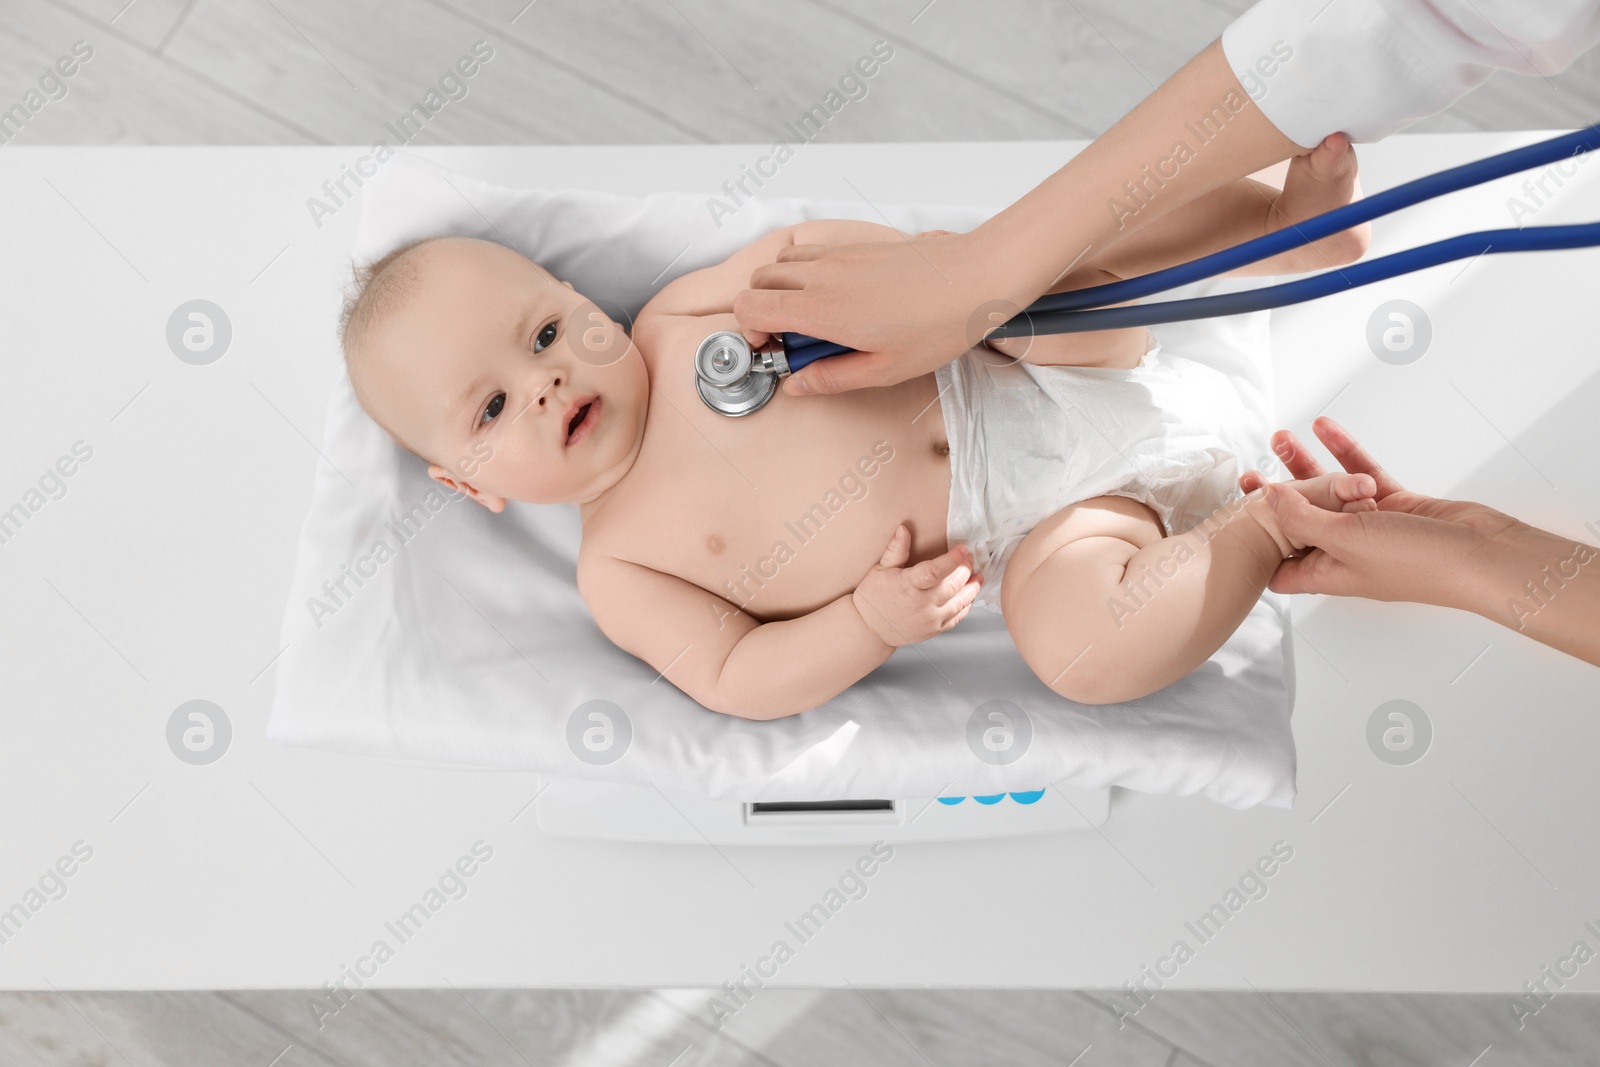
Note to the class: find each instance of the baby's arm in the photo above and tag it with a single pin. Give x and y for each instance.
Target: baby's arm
(729, 662)
(722, 657)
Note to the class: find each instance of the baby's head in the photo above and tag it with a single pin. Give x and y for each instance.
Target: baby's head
(477, 360)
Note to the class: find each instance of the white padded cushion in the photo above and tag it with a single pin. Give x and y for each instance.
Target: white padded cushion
(468, 644)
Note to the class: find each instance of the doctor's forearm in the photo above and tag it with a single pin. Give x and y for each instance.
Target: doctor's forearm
(1231, 214)
(1198, 131)
(1544, 587)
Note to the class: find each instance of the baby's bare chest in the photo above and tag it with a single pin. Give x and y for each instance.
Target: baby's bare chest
(786, 509)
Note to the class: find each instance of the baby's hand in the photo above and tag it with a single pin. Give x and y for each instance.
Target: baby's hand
(904, 605)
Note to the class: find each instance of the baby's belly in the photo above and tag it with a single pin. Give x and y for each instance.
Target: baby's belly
(813, 540)
(787, 512)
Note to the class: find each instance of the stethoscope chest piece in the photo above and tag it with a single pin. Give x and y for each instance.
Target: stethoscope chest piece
(730, 378)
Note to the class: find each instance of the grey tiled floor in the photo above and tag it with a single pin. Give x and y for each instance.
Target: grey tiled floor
(698, 71)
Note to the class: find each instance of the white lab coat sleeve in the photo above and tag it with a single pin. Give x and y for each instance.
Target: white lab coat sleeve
(1372, 67)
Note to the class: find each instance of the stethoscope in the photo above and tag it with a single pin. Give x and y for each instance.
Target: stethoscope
(735, 380)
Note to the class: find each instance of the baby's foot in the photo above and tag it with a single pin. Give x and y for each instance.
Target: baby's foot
(1319, 181)
(1339, 491)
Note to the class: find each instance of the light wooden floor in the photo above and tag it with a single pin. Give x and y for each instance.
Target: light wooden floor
(639, 71)
(698, 71)
(792, 1028)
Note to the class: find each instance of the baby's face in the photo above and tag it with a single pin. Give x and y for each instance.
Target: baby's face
(486, 368)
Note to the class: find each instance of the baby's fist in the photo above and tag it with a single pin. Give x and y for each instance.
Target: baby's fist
(904, 605)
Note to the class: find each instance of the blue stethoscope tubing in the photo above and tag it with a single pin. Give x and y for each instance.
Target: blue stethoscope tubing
(1083, 309)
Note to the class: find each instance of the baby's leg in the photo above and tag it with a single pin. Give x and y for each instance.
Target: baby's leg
(1097, 348)
(1104, 608)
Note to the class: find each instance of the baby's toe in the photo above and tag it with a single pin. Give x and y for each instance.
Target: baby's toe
(1332, 160)
(1332, 492)
(1348, 487)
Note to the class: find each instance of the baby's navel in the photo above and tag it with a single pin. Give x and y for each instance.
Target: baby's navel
(716, 544)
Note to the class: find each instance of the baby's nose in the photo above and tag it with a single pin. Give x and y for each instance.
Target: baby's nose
(548, 392)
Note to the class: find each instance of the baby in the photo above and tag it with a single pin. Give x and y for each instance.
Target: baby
(764, 564)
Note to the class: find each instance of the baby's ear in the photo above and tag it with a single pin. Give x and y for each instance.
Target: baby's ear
(496, 504)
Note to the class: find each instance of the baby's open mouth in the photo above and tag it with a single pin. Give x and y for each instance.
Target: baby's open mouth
(583, 420)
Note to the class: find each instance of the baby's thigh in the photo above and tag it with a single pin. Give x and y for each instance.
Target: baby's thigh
(1119, 349)
(1056, 583)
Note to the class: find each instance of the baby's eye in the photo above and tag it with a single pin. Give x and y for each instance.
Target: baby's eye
(497, 404)
(545, 337)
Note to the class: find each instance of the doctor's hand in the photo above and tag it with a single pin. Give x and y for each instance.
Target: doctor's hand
(907, 306)
(1413, 547)
(904, 605)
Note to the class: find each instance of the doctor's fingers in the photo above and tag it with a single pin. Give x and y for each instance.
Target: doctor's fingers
(1351, 456)
(1251, 480)
(844, 372)
(1321, 569)
(1374, 554)
(1296, 456)
(775, 310)
(1315, 572)
(784, 274)
(801, 253)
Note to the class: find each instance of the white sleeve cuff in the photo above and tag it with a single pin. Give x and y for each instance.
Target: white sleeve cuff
(1372, 67)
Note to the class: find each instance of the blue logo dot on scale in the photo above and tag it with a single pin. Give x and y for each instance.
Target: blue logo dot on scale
(995, 798)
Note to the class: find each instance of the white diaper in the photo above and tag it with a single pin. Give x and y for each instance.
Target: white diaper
(1027, 441)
